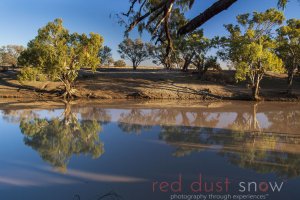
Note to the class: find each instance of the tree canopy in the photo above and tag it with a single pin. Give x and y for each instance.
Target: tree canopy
(105, 56)
(288, 49)
(146, 13)
(250, 46)
(60, 54)
(134, 50)
(193, 49)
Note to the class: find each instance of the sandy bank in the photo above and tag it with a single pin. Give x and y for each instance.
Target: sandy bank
(150, 84)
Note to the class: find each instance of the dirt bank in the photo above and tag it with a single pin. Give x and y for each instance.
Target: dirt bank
(123, 83)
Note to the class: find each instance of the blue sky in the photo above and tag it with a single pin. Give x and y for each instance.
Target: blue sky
(20, 19)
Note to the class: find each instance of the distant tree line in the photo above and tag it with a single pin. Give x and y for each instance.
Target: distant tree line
(9, 56)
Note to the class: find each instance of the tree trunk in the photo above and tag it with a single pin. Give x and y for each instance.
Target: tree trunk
(187, 62)
(134, 67)
(186, 65)
(255, 91)
(291, 71)
(202, 70)
(167, 63)
(167, 66)
(69, 90)
(290, 81)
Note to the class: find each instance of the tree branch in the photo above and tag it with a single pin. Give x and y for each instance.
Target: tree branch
(210, 12)
(141, 18)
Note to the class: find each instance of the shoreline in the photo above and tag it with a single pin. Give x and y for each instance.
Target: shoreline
(141, 96)
(32, 104)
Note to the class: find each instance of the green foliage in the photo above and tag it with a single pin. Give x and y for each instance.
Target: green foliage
(211, 62)
(57, 139)
(259, 60)
(120, 63)
(31, 74)
(165, 20)
(252, 51)
(193, 49)
(159, 56)
(60, 54)
(105, 56)
(136, 51)
(288, 48)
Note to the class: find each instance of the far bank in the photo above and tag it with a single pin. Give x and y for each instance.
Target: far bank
(150, 83)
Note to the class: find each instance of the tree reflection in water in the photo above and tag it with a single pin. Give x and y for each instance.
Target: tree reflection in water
(127, 121)
(262, 137)
(244, 142)
(58, 138)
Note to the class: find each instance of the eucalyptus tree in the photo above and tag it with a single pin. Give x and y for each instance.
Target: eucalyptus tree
(60, 54)
(205, 63)
(105, 56)
(191, 45)
(193, 49)
(134, 50)
(146, 13)
(251, 48)
(289, 48)
(161, 51)
(159, 56)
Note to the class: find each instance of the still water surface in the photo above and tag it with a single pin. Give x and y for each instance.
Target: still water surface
(125, 152)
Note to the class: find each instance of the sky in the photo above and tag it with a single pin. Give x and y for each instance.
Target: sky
(20, 19)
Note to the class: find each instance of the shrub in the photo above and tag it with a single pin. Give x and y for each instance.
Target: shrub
(31, 74)
(120, 63)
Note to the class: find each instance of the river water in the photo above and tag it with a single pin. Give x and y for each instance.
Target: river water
(225, 150)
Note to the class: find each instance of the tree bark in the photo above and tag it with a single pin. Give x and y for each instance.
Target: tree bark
(69, 90)
(134, 67)
(210, 12)
(290, 81)
(187, 63)
(291, 71)
(255, 90)
(167, 63)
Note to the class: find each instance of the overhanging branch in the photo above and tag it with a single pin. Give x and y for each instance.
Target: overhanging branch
(210, 12)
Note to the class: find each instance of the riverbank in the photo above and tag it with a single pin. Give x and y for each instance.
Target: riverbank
(146, 83)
